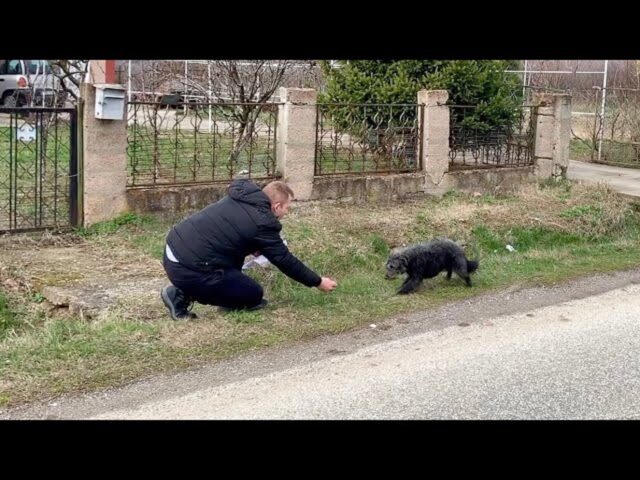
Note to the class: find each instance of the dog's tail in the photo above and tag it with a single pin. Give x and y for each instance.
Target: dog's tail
(472, 265)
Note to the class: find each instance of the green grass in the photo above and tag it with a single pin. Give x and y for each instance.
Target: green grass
(580, 149)
(112, 226)
(8, 320)
(523, 239)
(57, 146)
(188, 158)
(40, 178)
(175, 156)
(620, 153)
(559, 232)
(347, 161)
(624, 154)
(146, 232)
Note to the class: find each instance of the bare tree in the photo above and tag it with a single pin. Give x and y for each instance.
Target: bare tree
(246, 87)
(70, 73)
(240, 93)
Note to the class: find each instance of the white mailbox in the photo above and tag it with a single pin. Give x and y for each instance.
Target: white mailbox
(109, 101)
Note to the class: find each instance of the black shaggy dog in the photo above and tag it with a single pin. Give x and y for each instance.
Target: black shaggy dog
(426, 260)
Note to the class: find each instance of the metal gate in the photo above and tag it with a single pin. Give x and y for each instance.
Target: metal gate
(38, 169)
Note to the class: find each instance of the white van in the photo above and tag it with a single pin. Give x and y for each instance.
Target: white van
(27, 83)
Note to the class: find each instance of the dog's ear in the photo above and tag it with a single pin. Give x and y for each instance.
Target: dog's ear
(403, 260)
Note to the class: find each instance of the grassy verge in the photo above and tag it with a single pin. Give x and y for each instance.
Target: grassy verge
(558, 232)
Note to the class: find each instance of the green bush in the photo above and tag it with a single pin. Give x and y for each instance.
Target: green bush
(482, 84)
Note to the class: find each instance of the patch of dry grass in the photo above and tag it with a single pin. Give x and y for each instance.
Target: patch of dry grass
(560, 231)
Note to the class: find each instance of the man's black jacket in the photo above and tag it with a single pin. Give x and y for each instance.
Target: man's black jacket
(222, 234)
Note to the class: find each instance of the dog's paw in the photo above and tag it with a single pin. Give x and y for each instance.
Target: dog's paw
(406, 292)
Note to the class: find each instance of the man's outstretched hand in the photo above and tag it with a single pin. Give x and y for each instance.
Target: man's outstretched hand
(326, 285)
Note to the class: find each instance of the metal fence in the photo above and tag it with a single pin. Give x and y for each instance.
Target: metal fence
(368, 138)
(613, 134)
(474, 142)
(38, 169)
(203, 143)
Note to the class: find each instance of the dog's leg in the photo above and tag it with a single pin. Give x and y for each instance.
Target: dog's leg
(410, 285)
(449, 270)
(460, 267)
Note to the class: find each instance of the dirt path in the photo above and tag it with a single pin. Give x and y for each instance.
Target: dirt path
(87, 277)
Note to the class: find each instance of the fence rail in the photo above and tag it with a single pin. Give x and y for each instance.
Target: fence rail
(204, 143)
(38, 168)
(475, 143)
(368, 138)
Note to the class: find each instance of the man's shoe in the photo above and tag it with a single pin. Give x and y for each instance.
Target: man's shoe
(173, 298)
(263, 303)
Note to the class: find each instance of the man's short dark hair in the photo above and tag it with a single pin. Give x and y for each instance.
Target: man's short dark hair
(278, 191)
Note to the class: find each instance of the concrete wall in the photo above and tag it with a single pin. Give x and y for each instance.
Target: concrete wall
(493, 181)
(105, 161)
(435, 138)
(370, 188)
(296, 142)
(104, 154)
(178, 201)
(391, 188)
(553, 134)
(174, 201)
